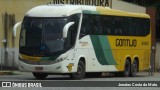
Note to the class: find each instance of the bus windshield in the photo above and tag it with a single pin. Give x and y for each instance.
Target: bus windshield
(42, 36)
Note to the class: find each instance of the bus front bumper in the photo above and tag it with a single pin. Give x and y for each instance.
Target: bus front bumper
(60, 67)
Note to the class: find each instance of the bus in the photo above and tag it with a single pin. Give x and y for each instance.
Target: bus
(81, 40)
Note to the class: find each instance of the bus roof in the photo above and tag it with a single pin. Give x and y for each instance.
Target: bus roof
(108, 11)
(59, 10)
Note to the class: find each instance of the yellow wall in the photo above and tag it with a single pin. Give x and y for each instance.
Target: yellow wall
(129, 7)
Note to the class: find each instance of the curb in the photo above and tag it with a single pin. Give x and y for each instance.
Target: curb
(8, 73)
(5, 72)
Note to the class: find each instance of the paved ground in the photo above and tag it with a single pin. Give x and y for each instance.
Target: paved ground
(16, 75)
(23, 76)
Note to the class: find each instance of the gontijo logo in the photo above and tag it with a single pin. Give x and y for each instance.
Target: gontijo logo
(126, 42)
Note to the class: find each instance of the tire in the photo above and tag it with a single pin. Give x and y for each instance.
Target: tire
(127, 69)
(80, 72)
(134, 69)
(40, 76)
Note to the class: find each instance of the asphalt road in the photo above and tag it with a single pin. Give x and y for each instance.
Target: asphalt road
(143, 76)
(21, 76)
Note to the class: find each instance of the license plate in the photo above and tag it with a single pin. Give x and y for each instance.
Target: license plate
(39, 68)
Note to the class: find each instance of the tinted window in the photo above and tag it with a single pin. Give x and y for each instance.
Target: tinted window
(114, 25)
(72, 31)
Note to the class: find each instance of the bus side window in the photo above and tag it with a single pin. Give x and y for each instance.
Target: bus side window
(107, 25)
(118, 31)
(131, 27)
(112, 26)
(83, 31)
(147, 26)
(106, 31)
(85, 27)
(72, 31)
(96, 24)
(118, 26)
(125, 26)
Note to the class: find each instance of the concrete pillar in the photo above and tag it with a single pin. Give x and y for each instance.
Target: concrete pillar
(152, 12)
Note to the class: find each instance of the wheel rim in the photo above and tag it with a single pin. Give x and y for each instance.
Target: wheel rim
(127, 68)
(135, 67)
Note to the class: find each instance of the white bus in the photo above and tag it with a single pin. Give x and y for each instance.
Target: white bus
(78, 40)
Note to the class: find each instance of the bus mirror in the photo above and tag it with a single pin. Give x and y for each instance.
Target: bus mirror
(15, 28)
(65, 29)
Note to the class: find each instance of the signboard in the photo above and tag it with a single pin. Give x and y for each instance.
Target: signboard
(4, 40)
(82, 2)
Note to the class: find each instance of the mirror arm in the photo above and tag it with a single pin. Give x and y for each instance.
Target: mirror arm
(65, 29)
(15, 28)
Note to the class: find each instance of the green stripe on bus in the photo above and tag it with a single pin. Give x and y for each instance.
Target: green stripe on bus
(107, 50)
(102, 50)
(45, 58)
(98, 49)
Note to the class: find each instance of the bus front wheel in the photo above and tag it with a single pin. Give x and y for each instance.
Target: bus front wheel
(39, 75)
(80, 72)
